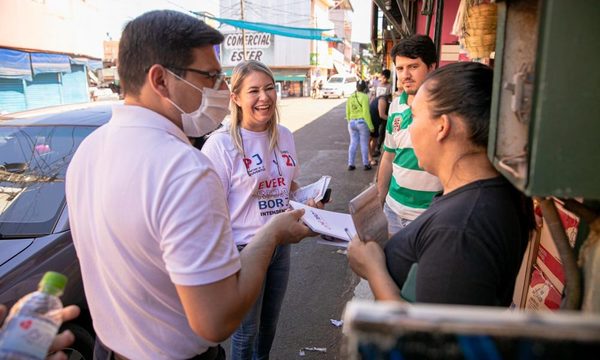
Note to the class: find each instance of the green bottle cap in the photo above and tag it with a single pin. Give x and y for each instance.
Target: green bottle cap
(55, 280)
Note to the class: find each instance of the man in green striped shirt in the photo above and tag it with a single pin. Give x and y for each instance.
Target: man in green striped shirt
(404, 188)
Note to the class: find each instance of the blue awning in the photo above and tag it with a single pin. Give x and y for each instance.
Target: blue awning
(90, 63)
(50, 63)
(15, 65)
(95, 64)
(295, 32)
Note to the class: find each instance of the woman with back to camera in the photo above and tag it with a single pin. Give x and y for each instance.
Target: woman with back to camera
(469, 244)
(359, 126)
(255, 158)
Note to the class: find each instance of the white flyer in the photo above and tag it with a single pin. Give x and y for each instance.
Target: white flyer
(337, 225)
(315, 190)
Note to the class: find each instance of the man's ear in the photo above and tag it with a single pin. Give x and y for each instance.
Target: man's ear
(443, 127)
(158, 79)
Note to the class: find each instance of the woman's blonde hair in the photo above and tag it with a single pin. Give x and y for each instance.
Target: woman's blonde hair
(239, 74)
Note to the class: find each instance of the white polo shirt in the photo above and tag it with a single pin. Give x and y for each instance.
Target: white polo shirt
(147, 211)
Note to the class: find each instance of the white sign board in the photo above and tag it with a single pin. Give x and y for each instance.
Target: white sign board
(259, 46)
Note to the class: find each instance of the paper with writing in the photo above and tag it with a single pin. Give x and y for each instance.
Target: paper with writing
(315, 190)
(368, 217)
(325, 222)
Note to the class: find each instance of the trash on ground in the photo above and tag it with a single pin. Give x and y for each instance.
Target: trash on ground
(336, 323)
(316, 349)
(343, 252)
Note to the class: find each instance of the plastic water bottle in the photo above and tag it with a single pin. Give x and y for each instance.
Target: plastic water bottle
(33, 321)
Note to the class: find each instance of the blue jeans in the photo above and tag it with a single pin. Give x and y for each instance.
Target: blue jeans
(359, 133)
(395, 222)
(254, 337)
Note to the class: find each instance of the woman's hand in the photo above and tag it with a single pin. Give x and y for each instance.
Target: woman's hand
(312, 203)
(366, 258)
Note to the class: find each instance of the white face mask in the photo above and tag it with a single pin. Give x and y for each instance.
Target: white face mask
(210, 113)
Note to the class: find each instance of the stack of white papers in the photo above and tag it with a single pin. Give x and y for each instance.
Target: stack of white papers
(315, 190)
(337, 225)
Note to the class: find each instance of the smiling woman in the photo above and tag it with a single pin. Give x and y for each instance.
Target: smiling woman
(251, 154)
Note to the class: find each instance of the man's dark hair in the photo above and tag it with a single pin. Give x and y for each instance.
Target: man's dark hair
(414, 47)
(386, 73)
(163, 37)
(361, 86)
(465, 89)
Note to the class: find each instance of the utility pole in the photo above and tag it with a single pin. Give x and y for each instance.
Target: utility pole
(243, 30)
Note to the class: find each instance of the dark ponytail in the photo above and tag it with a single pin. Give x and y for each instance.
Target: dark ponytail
(465, 89)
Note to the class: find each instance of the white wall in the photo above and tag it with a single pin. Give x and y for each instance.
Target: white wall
(77, 26)
(288, 51)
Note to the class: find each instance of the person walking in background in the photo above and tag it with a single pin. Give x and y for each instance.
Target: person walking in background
(148, 213)
(405, 190)
(470, 243)
(256, 160)
(359, 125)
(378, 108)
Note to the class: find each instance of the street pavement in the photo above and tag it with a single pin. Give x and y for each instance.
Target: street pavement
(320, 281)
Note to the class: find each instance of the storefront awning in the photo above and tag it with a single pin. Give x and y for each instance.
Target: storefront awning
(90, 63)
(290, 77)
(15, 65)
(295, 32)
(280, 75)
(50, 63)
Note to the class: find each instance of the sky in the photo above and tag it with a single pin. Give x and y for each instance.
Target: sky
(122, 11)
(361, 23)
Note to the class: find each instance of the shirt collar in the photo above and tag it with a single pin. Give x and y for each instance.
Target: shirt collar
(403, 99)
(139, 116)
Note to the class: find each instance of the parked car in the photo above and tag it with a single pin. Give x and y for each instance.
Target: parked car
(339, 85)
(35, 150)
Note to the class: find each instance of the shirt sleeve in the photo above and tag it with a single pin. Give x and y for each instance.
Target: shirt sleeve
(195, 230)
(388, 143)
(366, 113)
(348, 107)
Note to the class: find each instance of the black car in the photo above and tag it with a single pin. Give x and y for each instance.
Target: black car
(35, 150)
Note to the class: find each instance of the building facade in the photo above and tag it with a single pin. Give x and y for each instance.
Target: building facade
(296, 63)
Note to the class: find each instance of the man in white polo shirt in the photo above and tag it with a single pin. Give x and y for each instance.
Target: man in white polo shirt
(148, 214)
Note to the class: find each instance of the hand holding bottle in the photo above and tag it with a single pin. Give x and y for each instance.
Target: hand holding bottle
(31, 327)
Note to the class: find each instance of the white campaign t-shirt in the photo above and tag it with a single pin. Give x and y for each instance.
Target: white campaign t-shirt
(147, 211)
(257, 185)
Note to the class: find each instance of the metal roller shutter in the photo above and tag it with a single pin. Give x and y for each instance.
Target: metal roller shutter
(45, 90)
(12, 95)
(74, 85)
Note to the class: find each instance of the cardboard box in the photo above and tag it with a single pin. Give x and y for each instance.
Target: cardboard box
(548, 259)
(542, 294)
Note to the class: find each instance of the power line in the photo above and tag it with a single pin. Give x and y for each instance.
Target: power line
(278, 10)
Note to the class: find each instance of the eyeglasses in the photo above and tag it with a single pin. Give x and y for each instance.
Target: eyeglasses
(216, 76)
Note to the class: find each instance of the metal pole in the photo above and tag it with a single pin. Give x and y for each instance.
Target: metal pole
(405, 17)
(439, 16)
(243, 30)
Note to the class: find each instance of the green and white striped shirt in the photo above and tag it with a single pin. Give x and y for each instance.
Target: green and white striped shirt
(411, 188)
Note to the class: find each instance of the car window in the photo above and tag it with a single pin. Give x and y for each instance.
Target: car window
(335, 80)
(351, 80)
(33, 163)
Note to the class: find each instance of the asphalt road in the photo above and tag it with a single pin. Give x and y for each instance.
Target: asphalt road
(320, 280)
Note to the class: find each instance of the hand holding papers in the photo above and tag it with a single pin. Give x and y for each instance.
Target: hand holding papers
(315, 190)
(368, 217)
(325, 222)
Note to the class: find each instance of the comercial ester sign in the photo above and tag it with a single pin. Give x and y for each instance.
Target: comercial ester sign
(259, 46)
